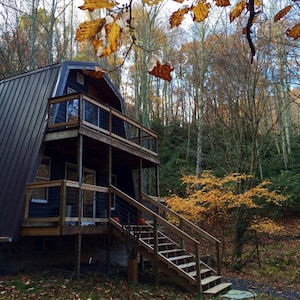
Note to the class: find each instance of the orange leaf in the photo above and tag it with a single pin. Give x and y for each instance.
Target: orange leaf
(201, 11)
(158, 70)
(88, 29)
(294, 32)
(97, 73)
(222, 3)
(177, 17)
(282, 13)
(91, 5)
(237, 10)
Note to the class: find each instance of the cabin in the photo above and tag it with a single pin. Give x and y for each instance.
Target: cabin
(79, 179)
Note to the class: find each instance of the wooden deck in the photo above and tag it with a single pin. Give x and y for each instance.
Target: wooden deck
(100, 123)
(63, 213)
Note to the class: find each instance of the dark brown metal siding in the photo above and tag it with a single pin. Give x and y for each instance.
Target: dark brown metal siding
(23, 107)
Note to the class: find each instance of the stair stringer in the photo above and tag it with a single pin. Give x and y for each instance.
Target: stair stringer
(165, 266)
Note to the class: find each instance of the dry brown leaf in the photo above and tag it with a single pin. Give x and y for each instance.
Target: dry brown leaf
(294, 32)
(222, 3)
(160, 71)
(97, 73)
(237, 10)
(88, 29)
(91, 5)
(179, 1)
(282, 13)
(201, 11)
(177, 17)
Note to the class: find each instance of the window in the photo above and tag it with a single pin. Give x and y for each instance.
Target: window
(40, 195)
(89, 177)
(72, 107)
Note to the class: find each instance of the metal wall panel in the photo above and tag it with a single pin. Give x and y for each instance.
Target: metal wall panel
(23, 108)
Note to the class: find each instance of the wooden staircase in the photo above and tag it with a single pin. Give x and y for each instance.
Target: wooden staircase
(170, 249)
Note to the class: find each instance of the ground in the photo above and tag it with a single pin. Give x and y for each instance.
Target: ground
(277, 277)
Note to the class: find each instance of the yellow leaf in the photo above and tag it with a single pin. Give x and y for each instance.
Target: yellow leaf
(177, 17)
(222, 3)
(282, 13)
(158, 70)
(294, 32)
(91, 5)
(201, 10)
(152, 2)
(88, 29)
(237, 10)
(113, 31)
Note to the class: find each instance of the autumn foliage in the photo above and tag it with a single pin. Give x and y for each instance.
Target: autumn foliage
(106, 33)
(228, 202)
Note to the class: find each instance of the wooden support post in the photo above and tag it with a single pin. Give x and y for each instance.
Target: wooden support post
(80, 178)
(157, 181)
(78, 256)
(109, 179)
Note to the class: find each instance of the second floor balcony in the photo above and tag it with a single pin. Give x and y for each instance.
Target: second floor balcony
(78, 110)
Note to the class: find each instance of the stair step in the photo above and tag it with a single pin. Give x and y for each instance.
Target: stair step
(180, 257)
(151, 238)
(187, 265)
(202, 271)
(221, 287)
(171, 251)
(209, 279)
(165, 244)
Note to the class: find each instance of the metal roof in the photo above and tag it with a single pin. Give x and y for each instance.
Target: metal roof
(23, 109)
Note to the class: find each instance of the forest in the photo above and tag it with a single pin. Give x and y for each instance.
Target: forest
(219, 113)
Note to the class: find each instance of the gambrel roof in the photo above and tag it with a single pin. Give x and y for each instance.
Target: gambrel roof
(23, 113)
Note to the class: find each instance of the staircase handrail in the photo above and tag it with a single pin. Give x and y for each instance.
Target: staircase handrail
(190, 225)
(181, 219)
(154, 215)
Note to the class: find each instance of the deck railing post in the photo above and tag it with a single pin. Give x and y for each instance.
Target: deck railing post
(27, 201)
(218, 258)
(80, 109)
(63, 192)
(155, 238)
(198, 269)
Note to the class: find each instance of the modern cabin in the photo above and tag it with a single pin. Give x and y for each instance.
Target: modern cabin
(76, 175)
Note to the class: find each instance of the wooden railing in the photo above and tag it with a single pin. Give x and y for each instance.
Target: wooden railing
(158, 222)
(65, 202)
(80, 110)
(186, 226)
